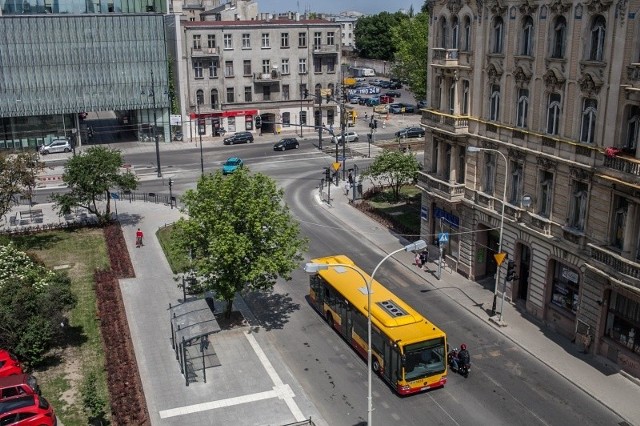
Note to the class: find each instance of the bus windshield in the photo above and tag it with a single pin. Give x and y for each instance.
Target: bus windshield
(424, 359)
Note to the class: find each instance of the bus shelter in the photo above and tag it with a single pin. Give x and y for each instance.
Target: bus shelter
(192, 323)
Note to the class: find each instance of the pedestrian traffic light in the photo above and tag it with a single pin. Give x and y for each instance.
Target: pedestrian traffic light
(327, 173)
(306, 93)
(375, 124)
(258, 122)
(511, 271)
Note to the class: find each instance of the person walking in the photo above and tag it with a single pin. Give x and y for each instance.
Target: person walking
(139, 237)
(424, 257)
(350, 178)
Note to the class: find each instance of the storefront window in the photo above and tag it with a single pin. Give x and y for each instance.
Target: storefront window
(231, 124)
(248, 122)
(623, 320)
(566, 289)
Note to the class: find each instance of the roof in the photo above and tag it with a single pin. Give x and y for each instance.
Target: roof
(260, 23)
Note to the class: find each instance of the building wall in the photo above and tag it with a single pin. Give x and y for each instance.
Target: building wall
(35, 7)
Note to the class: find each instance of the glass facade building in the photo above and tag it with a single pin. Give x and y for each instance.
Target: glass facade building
(34, 7)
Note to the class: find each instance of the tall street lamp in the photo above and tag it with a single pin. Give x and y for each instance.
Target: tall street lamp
(200, 131)
(312, 268)
(474, 149)
(155, 123)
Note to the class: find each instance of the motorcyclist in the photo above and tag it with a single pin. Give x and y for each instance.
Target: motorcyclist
(462, 357)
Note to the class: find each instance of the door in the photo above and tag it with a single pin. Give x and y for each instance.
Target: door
(523, 272)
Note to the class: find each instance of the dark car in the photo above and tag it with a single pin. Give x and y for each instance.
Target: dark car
(422, 104)
(410, 132)
(395, 85)
(401, 108)
(285, 144)
(393, 93)
(240, 137)
(362, 100)
(373, 101)
(385, 84)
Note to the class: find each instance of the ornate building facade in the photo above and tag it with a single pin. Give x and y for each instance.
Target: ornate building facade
(547, 95)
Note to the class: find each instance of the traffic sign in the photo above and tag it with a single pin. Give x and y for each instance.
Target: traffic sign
(336, 166)
(500, 257)
(443, 237)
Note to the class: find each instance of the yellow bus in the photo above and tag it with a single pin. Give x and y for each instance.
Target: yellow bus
(408, 351)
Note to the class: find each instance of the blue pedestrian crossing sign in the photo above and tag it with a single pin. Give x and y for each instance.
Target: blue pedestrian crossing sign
(443, 237)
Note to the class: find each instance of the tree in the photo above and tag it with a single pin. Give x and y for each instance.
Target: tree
(33, 300)
(239, 234)
(373, 35)
(410, 37)
(18, 174)
(90, 176)
(395, 169)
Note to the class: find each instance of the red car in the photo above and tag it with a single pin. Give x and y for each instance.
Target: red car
(9, 364)
(28, 410)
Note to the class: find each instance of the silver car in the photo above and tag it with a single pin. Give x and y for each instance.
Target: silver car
(56, 145)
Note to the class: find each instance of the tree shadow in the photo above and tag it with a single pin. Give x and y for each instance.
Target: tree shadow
(271, 309)
(127, 218)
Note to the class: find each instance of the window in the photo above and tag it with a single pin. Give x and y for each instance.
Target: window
(623, 318)
(443, 33)
(331, 38)
(285, 66)
(211, 41)
(196, 42)
(489, 173)
(303, 117)
(317, 40)
(197, 69)
(546, 193)
(228, 69)
(230, 95)
(247, 93)
(302, 39)
(523, 108)
(246, 41)
(317, 65)
(435, 155)
(633, 118)
(200, 97)
(527, 37)
(596, 50)
(302, 65)
(566, 289)
(266, 93)
(587, 131)
(228, 44)
(285, 92)
(517, 174)
(455, 29)
(619, 222)
(284, 40)
(303, 88)
(497, 35)
(331, 64)
(452, 97)
(266, 66)
(214, 99)
(462, 162)
(286, 119)
(465, 97)
(466, 46)
(213, 68)
(246, 67)
(578, 206)
(494, 110)
(553, 114)
(438, 93)
(447, 162)
(266, 43)
(558, 38)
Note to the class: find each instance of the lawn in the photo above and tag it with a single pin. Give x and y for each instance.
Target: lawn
(78, 253)
(405, 212)
(177, 261)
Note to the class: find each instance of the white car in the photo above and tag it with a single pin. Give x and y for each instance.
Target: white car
(56, 145)
(348, 136)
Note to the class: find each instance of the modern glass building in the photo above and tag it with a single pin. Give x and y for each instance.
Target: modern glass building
(54, 67)
(35, 7)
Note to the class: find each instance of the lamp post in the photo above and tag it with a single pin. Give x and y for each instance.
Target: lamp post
(313, 268)
(155, 121)
(200, 135)
(474, 149)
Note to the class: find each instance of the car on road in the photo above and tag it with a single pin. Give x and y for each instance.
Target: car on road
(9, 364)
(393, 93)
(348, 136)
(354, 99)
(400, 108)
(27, 410)
(240, 137)
(410, 132)
(231, 165)
(372, 101)
(56, 145)
(285, 144)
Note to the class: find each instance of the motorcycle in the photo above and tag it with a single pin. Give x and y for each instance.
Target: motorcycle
(463, 369)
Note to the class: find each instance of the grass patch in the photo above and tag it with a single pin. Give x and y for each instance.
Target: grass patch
(177, 260)
(405, 212)
(81, 251)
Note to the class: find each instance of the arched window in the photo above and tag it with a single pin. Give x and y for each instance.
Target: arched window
(527, 37)
(200, 97)
(588, 128)
(633, 126)
(598, 28)
(523, 107)
(455, 30)
(497, 35)
(466, 43)
(214, 99)
(332, 88)
(317, 91)
(494, 111)
(443, 33)
(558, 37)
(553, 113)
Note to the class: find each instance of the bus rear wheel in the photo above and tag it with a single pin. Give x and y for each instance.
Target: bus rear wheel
(375, 365)
(329, 318)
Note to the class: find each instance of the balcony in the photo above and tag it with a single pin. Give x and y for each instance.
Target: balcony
(325, 49)
(445, 57)
(273, 77)
(453, 193)
(450, 123)
(205, 52)
(625, 166)
(616, 263)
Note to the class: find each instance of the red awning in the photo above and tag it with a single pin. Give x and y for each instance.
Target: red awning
(230, 113)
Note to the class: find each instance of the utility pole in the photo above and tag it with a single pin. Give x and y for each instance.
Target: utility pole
(155, 123)
(319, 96)
(344, 143)
(200, 130)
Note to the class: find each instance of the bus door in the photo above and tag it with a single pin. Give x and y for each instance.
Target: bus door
(344, 310)
(390, 362)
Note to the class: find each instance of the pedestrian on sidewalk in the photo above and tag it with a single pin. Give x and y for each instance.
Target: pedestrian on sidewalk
(424, 258)
(347, 187)
(139, 237)
(418, 260)
(350, 178)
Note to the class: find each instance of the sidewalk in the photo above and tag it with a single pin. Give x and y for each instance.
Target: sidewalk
(593, 374)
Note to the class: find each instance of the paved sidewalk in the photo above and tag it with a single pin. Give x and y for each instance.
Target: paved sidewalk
(593, 374)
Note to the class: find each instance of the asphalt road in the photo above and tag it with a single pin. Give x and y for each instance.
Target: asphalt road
(506, 385)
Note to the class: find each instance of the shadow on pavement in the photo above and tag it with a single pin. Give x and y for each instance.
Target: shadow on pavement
(271, 309)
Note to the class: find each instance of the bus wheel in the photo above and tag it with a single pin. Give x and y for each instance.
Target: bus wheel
(329, 318)
(375, 365)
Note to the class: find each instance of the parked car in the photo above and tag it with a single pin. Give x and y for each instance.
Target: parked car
(56, 145)
(18, 384)
(384, 99)
(373, 101)
(393, 93)
(385, 84)
(381, 109)
(400, 108)
(231, 165)
(362, 100)
(286, 143)
(422, 104)
(354, 99)
(240, 137)
(395, 85)
(348, 136)
(27, 410)
(410, 132)
(9, 364)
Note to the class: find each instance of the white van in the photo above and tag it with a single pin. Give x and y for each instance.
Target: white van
(368, 72)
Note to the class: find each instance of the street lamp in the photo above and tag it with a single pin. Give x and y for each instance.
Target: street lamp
(200, 130)
(155, 123)
(312, 268)
(474, 149)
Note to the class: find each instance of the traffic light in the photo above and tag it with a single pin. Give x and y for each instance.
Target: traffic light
(258, 122)
(306, 93)
(511, 271)
(375, 124)
(327, 173)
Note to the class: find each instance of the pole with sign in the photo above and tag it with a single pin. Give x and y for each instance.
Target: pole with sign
(443, 238)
